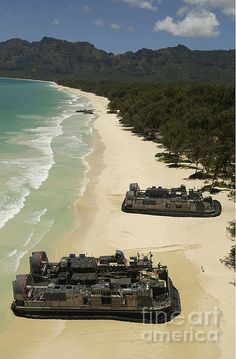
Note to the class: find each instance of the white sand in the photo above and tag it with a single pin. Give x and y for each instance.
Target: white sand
(191, 247)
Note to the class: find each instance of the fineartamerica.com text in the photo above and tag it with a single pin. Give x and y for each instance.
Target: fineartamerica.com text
(197, 326)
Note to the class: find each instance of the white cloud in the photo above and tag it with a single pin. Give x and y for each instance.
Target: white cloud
(99, 23)
(143, 4)
(116, 26)
(85, 9)
(55, 22)
(226, 6)
(195, 24)
(182, 11)
(130, 29)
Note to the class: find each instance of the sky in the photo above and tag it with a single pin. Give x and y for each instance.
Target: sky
(122, 25)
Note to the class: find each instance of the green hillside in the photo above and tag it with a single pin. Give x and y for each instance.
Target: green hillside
(53, 59)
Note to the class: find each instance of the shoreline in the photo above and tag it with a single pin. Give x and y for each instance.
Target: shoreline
(38, 222)
(175, 248)
(184, 244)
(88, 194)
(23, 79)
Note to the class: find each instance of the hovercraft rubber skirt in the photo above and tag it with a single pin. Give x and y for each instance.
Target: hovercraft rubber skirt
(214, 213)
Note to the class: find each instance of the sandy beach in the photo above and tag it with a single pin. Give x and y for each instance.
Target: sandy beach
(190, 247)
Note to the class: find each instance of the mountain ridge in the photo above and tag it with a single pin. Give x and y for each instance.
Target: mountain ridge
(52, 59)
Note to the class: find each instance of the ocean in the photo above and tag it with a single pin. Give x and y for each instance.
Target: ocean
(43, 144)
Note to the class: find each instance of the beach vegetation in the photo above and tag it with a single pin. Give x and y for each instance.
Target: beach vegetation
(229, 260)
(193, 122)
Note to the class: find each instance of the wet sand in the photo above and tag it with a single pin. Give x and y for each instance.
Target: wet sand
(191, 247)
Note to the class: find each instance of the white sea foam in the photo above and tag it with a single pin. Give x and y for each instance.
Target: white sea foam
(85, 179)
(42, 138)
(30, 173)
(47, 225)
(74, 101)
(10, 209)
(28, 240)
(12, 253)
(31, 176)
(35, 217)
(31, 117)
(83, 186)
(12, 262)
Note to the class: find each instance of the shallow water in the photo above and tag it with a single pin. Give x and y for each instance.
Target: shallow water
(43, 142)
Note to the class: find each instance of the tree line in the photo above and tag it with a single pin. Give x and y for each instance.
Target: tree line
(191, 120)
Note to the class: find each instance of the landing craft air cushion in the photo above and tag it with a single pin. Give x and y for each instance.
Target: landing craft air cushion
(107, 287)
(169, 202)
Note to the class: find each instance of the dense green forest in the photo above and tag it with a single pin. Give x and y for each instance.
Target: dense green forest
(193, 121)
(50, 59)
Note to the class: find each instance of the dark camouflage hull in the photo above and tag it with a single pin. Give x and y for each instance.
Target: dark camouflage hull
(216, 212)
(142, 315)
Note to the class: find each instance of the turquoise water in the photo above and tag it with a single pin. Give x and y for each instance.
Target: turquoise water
(43, 142)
